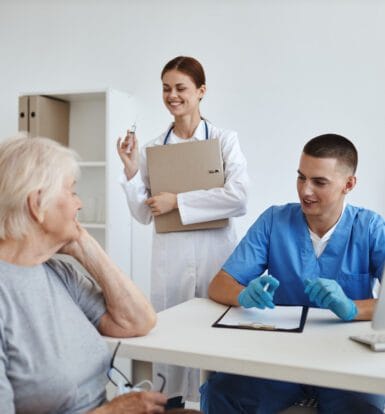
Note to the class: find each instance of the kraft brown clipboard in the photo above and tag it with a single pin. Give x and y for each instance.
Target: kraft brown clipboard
(178, 168)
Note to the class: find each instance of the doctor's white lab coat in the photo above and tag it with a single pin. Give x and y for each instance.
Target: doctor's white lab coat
(183, 263)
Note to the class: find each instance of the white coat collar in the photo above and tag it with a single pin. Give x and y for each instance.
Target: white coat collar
(198, 135)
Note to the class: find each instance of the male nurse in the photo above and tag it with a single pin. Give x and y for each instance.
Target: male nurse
(319, 252)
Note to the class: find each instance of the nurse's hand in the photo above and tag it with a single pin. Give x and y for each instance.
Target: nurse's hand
(259, 293)
(129, 154)
(162, 203)
(327, 293)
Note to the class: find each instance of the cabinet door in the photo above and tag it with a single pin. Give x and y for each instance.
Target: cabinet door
(49, 117)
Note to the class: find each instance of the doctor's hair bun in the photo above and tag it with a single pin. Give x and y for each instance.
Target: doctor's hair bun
(189, 66)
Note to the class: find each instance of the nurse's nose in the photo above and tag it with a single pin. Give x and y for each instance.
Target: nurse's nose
(307, 188)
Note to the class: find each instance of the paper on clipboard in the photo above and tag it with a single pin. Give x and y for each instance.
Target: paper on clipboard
(281, 318)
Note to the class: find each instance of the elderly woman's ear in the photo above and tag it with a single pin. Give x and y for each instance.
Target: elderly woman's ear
(34, 206)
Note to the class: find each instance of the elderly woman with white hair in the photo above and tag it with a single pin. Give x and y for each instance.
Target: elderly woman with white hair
(52, 356)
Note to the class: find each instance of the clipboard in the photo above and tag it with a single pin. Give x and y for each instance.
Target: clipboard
(293, 319)
(178, 168)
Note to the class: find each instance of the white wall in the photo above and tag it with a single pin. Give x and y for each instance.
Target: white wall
(278, 71)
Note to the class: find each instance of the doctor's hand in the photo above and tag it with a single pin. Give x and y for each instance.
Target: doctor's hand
(257, 295)
(162, 203)
(129, 154)
(327, 293)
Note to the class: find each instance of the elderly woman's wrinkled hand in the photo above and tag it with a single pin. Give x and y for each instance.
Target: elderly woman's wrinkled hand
(147, 402)
(80, 246)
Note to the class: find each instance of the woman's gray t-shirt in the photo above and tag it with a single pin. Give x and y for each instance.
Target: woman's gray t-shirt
(52, 358)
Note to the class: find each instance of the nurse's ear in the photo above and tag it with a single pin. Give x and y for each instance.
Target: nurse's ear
(350, 184)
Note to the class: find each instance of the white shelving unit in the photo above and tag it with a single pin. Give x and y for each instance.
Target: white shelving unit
(97, 119)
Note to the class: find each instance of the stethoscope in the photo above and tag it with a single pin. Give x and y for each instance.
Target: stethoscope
(172, 126)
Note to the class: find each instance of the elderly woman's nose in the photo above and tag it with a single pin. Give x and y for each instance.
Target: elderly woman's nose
(79, 203)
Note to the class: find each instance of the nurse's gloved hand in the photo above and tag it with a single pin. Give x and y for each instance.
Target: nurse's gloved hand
(259, 293)
(327, 293)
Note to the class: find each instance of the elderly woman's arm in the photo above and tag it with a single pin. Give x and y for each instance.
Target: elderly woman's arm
(129, 313)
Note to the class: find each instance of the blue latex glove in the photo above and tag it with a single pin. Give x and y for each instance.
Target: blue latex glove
(327, 293)
(255, 296)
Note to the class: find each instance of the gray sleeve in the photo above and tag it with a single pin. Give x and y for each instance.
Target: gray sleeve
(6, 391)
(84, 291)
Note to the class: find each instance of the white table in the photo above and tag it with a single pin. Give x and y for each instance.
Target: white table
(321, 355)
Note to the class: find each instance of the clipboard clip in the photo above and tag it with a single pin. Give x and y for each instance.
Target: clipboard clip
(256, 325)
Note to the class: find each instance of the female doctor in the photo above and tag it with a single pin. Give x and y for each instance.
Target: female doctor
(183, 263)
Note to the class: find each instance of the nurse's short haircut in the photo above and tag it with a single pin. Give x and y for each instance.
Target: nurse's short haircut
(189, 66)
(30, 165)
(333, 146)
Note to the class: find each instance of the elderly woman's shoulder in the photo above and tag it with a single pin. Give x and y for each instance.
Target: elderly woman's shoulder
(65, 270)
(60, 265)
(69, 272)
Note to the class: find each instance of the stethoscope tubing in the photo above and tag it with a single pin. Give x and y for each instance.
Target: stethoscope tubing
(172, 127)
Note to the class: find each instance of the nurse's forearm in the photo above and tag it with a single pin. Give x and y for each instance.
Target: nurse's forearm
(365, 309)
(225, 289)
